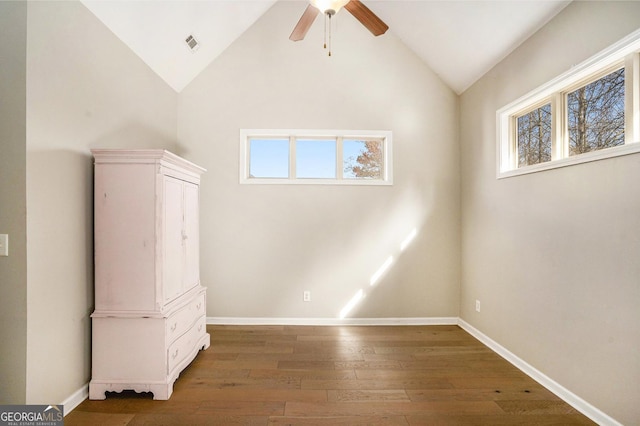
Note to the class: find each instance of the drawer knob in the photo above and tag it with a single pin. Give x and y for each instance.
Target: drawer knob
(198, 306)
(173, 327)
(175, 354)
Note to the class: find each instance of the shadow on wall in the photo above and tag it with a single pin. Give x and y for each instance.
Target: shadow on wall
(60, 238)
(137, 136)
(60, 241)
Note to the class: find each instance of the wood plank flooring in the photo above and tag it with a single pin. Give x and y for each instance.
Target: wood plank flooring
(340, 375)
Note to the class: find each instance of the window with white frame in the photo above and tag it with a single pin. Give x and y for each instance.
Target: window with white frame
(589, 113)
(315, 157)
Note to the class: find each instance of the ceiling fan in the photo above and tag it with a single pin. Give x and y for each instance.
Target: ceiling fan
(329, 8)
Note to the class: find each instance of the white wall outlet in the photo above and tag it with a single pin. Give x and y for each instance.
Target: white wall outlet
(4, 245)
(306, 296)
(477, 306)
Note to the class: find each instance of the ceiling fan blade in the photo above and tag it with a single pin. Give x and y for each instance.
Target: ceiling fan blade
(369, 19)
(304, 23)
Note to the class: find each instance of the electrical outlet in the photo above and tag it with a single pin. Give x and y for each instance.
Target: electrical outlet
(306, 296)
(477, 306)
(4, 245)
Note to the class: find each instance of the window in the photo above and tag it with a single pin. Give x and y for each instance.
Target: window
(590, 113)
(595, 114)
(315, 157)
(534, 136)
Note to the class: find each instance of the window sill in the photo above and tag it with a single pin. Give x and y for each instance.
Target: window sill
(618, 151)
(302, 181)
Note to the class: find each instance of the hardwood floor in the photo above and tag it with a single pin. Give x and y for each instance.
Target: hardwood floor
(342, 375)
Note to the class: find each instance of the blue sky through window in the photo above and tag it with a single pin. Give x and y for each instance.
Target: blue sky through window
(269, 158)
(316, 158)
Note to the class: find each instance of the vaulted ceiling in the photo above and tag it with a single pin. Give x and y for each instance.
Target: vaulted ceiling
(459, 39)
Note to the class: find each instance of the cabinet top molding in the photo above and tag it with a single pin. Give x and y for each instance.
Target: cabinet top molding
(143, 156)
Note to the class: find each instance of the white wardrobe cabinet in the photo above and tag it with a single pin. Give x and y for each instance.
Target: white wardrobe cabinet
(149, 321)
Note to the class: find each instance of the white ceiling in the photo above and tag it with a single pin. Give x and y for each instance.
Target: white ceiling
(459, 39)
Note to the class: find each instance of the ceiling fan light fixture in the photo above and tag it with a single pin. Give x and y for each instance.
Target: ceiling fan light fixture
(329, 6)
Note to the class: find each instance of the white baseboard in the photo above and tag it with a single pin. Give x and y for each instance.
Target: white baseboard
(563, 393)
(75, 399)
(332, 321)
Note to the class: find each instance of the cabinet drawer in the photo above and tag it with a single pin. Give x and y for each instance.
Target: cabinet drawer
(183, 319)
(186, 345)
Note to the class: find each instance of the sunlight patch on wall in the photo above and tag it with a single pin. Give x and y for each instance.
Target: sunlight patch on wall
(381, 270)
(377, 275)
(408, 239)
(352, 303)
(393, 239)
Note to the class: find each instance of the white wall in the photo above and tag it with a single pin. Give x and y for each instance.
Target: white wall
(553, 256)
(13, 201)
(85, 89)
(263, 245)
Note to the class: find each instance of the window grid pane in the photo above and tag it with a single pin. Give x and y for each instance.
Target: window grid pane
(363, 159)
(534, 136)
(316, 158)
(595, 114)
(269, 158)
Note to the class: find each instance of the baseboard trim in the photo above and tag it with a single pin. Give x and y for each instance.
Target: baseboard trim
(75, 399)
(331, 321)
(563, 393)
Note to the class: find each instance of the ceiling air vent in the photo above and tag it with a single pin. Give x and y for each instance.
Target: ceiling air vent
(192, 43)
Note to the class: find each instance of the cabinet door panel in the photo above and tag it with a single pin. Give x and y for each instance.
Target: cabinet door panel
(173, 251)
(192, 241)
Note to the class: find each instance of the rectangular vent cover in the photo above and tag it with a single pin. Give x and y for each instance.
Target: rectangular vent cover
(192, 43)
